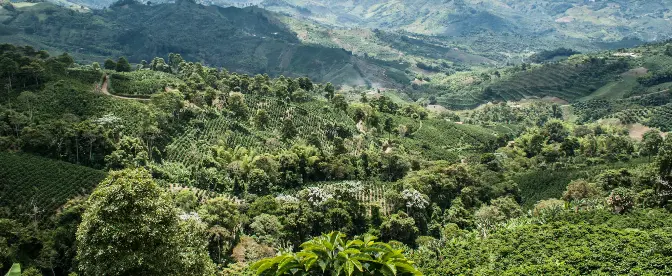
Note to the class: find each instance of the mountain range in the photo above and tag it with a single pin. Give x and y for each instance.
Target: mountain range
(585, 21)
(371, 43)
(247, 40)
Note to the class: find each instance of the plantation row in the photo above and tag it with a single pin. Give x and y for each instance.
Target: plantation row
(311, 121)
(141, 82)
(29, 182)
(566, 81)
(372, 194)
(661, 117)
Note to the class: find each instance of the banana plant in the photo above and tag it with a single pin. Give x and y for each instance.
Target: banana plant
(331, 255)
(15, 270)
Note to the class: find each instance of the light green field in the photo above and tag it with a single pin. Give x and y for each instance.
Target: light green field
(613, 90)
(23, 4)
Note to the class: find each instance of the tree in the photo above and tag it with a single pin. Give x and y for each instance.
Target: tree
(532, 144)
(340, 102)
(8, 68)
(651, 142)
(579, 190)
(174, 61)
(621, 200)
(664, 166)
(122, 65)
(331, 254)
(236, 103)
(400, 227)
(266, 228)
(329, 90)
(186, 200)
(508, 206)
(305, 84)
(27, 101)
(66, 60)
(159, 64)
(169, 102)
(487, 217)
(132, 228)
(569, 146)
(288, 129)
(555, 131)
(261, 119)
(389, 124)
(222, 217)
(109, 64)
(130, 152)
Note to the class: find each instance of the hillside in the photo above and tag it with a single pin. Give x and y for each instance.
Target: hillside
(246, 40)
(599, 21)
(176, 166)
(38, 186)
(466, 32)
(605, 75)
(590, 21)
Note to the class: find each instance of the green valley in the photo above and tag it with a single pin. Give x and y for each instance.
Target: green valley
(280, 138)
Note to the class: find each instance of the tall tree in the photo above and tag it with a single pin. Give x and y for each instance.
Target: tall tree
(132, 228)
(288, 129)
(340, 102)
(123, 65)
(651, 142)
(329, 90)
(109, 64)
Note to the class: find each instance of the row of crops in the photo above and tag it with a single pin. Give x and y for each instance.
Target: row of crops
(565, 81)
(439, 139)
(311, 121)
(661, 117)
(28, 181)
(141, 82)
(654, 110)
(316, 120)
(370, 193)
(85, 75)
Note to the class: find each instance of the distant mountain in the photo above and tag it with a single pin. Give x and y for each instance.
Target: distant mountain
(590, 20)
(246, 40)
(505, 31)
(609, 20)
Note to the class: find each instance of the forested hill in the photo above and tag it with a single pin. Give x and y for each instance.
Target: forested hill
(600, 20)
(119, 171)
(246, 40)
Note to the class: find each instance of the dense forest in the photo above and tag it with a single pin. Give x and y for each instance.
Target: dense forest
(171, 167)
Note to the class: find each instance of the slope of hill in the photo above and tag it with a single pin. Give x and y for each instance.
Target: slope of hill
(581, 77)
(36, 186)
(245, 40)
(239, 167)
(505, 31)
(600, 20)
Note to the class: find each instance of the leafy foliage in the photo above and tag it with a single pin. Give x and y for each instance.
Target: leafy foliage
(331, 252)
(111, 243)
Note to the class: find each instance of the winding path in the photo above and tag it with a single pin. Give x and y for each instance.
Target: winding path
(105, 90)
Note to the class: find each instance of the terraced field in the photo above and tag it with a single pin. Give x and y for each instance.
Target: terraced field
(27, 181)
(661, 117)
(141, 82)
(566, 81)
(311, 120)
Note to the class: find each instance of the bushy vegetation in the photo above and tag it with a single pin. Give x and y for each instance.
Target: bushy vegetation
(220, 173)
(141, 82)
